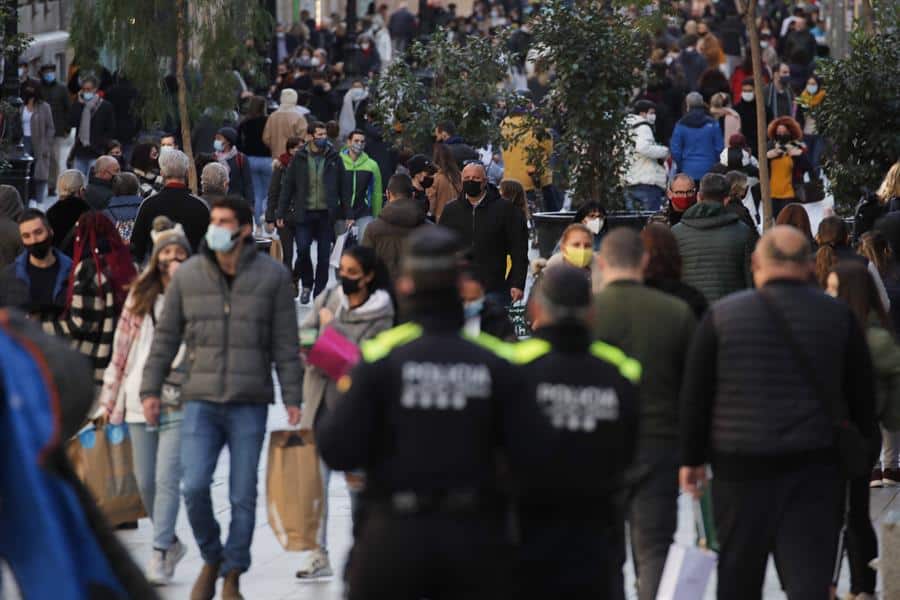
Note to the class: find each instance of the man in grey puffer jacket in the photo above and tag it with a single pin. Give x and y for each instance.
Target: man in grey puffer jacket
(715, 245)
(234, 310)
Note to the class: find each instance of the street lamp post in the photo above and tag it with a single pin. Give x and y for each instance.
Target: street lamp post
(15, 163)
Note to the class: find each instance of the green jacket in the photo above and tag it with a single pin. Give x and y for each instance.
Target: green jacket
(655, 329)
(715, 250)
(361, 187)
(886, 359)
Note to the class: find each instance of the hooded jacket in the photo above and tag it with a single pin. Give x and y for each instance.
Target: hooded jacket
(696, 143)
(233, 333)
(10, 240)
(644, 167)
(387, 234)
(357, 325)
(715, 250)
(361, 187)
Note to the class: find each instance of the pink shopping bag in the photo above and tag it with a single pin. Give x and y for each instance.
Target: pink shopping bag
(334, 354)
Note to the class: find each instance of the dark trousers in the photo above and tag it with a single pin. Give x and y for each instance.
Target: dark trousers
(653, 516)
(574, 556)
(436, 556)
(790, 515)
(778, 205)
(286, 235)
(861, 543)
(315, 227)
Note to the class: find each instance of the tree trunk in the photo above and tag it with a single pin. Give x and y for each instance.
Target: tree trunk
(868, 17)
(750, 21)
(183, 115)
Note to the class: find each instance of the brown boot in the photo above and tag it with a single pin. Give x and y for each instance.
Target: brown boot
(231, 588)
(205, 586)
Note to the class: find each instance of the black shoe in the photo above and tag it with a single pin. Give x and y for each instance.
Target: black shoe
(304, 295)
(127, 525)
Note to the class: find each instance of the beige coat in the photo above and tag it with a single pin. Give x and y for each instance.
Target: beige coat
(281, 125)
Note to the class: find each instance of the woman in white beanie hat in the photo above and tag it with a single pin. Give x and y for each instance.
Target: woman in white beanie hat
(155, 450)
(284, 123)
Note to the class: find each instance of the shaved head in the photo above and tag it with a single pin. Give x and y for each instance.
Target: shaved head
(106, 167)
(783, 252)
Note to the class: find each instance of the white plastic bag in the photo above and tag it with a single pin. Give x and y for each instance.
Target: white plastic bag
(688, 568)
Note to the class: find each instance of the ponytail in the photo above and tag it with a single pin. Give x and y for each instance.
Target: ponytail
(826, 259)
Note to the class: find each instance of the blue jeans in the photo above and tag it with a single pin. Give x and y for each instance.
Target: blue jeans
(260, 176)
(315, 227)
(84, 164)
(207, 428)
(643, 197)
(157, 468)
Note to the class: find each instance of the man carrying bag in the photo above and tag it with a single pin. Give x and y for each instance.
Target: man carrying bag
(779, 445)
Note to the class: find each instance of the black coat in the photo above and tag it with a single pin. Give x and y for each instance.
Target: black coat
(675, 287)
(103, 129)
(492, 230)
(747, 112)
(295, 185)
(180, 206)
(62, 217)
(240, 181)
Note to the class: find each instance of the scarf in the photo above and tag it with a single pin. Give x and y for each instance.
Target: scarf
(347, 119)
(224, 157)
(84, 131)
(807, 100)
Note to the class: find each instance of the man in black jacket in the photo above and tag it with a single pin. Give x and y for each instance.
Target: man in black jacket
(310, 190)
(95, 121)
(493, 229)
(750, 409)
(401, 216)
(174, 201)
(445, 133)
(57, 96)
(588, 393)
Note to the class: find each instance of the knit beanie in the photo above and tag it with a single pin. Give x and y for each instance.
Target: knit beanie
(288, 98)
(165, 233)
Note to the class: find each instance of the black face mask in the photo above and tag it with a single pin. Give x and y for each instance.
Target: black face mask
(40, 250)
(427, 182)
(783, 139)
(350, 286)
(473, 188)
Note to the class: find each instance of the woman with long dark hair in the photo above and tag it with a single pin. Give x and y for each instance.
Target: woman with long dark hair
(358, 309)
(145, 164)
(447, 184)
(663, 270)
(833, 239)
(852, 283)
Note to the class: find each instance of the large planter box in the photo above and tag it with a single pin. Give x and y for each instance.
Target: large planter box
(550, 225)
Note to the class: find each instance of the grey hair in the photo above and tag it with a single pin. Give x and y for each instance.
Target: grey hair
(70, 182)
(214, 179)
(174, 164)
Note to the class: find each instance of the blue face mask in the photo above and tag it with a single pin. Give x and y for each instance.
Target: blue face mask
(49, 77)
(473, 309)
(321, 144)
(218, 145)
(87, 96)
(220, 239)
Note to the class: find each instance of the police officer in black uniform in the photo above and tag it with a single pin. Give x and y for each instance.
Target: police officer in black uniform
(430, 416)
(570, 509)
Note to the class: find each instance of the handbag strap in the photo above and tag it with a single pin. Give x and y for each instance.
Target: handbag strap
(800, 356)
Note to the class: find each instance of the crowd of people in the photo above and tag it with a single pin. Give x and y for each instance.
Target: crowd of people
(691, 346)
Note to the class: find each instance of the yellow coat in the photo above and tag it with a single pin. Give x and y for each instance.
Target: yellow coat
(515, 158)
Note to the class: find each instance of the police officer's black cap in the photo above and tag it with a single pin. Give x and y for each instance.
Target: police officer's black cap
(431, 249)
(418, 163)
(566, 287)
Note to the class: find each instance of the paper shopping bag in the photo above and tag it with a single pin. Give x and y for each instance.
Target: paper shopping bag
(294, 490)
(688, 568)
(276, 250)
(101, 457)
(334, 354)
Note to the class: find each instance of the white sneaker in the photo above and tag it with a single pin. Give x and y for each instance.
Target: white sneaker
(314, 564)
(156, 570)
(173, 555)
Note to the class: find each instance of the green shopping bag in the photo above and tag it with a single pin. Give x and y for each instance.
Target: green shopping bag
(709, 524)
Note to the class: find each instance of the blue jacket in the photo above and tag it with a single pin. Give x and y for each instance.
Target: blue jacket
(696, 143)
(122, 211)
(15, 284)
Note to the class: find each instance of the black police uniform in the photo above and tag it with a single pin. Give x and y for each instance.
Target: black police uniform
(429, 416)
(570, 510)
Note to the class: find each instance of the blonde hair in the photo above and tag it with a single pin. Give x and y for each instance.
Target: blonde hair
(890, 187)
(572, 229)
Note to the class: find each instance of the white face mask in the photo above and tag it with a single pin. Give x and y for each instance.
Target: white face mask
(651, 118)
(812, 89)
(595, 225)
(747, 96)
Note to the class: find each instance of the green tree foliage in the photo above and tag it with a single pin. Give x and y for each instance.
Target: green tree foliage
(860, 115)
(444, 81)
(139, 38)
(597, 57)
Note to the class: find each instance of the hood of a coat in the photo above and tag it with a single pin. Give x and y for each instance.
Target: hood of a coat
(403, 213)
(10, 203)
(378, 306)
(708, 215)
(696, 118)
